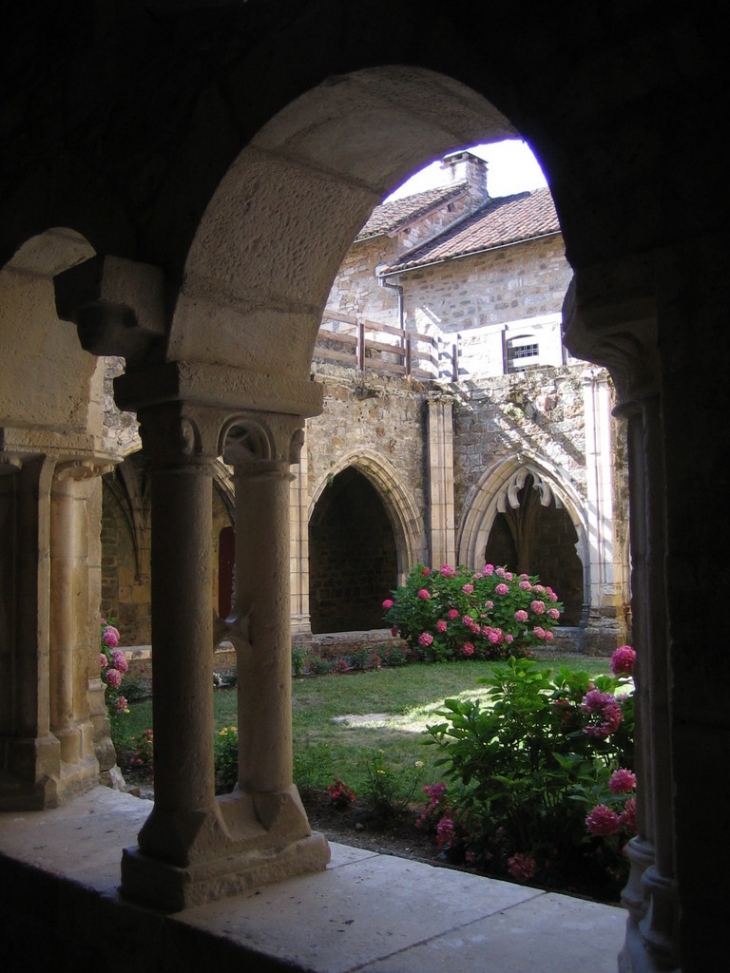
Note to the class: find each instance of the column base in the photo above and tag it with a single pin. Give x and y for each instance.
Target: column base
(242, 841)
(635, 957)
(173, 889)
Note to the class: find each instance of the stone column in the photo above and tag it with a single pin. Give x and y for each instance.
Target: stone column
(299, 564)
(32, 754)
(194, 847)
(441, 482)
(183, 828)
(72, 638)
(622, 335)
(602, 628)
(261, 458)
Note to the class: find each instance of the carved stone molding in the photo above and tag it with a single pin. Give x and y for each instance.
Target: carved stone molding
(117, 306)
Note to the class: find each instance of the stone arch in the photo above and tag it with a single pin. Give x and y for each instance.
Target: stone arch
(284, 214)
(405, 519)
(497, 488)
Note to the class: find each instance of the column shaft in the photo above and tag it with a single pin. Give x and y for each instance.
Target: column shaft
(182, 638)
(262, 588)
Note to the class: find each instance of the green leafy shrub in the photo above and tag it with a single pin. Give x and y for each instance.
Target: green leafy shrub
(320, 666)
(455, 613)
(388, 793)
(540, 777)
(298, 660)
(226, 758)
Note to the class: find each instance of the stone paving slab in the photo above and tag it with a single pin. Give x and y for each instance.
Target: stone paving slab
(368, 912)
(549, 934)
(357, 913)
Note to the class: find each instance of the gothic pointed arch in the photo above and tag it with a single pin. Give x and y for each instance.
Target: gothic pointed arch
(506, 501)
(405, 519)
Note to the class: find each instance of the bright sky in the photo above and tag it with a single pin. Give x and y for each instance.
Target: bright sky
(512, 169)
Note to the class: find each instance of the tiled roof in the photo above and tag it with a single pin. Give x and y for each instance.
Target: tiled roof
(500, 222)
(389, 217)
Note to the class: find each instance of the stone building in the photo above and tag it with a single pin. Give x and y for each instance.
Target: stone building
(495, 439)
(179, 184)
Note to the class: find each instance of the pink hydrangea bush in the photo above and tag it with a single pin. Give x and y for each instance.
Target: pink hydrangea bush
(456, 613)
(539, 780)
(113, 665)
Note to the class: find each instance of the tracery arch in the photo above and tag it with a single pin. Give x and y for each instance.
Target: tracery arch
(497, 491)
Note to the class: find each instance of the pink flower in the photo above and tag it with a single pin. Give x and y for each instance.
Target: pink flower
(110, 636)
(119, 660)
(521, 615)
(500, 572)
(394, 631)
(508, 575)
(622, 661)
(553, 613)
(425, 639)
(537, 606)
(525, 586)
(539, 632)
(467, 588)
(478, 576)
(521, 867)
(605, 709)
(103, 661)
(552, 596)
(446, 570)
(388, 603)
(426, 571)
(423, 593)
(114, 678)
(627, 818)
(548, 636)
(453, 613)
(501, 589)
(441, 625)
(509, 638)
(444, 830)
(622, 781)
(488, 569)
(489, 605)
(434, 791)
(540, 589)
(603, 821)
(468, 648)
(121, 704)
(468, 621)
(495, 636)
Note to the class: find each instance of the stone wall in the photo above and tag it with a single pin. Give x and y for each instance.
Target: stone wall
(495, 287)
(376, 423)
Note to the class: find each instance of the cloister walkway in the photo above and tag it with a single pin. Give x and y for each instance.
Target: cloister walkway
(367, 912)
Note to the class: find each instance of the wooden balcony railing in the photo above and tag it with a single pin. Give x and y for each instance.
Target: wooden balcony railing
(351, 340)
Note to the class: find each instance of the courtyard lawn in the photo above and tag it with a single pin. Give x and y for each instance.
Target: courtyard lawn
(343, 723)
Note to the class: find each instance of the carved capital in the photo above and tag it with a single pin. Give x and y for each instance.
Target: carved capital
(81, 469)
(260, 441)
(180, 434)
(614, 328)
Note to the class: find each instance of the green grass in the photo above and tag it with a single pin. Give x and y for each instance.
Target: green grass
(341, 722)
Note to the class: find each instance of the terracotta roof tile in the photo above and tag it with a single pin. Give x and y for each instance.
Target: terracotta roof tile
(500, 222)
(390, 217)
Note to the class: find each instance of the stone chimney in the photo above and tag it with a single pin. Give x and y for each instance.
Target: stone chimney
(463, 166)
